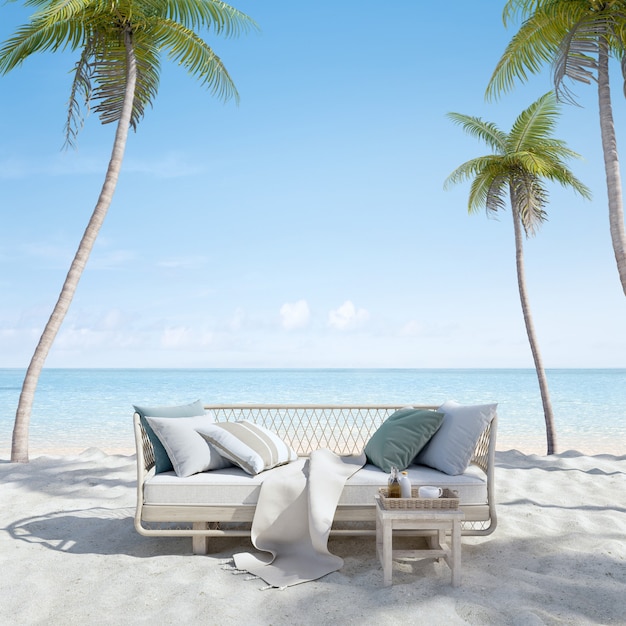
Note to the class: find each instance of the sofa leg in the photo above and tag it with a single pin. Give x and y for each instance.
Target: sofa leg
(200, 543)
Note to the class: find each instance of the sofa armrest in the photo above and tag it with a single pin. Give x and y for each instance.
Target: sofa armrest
(484, 456)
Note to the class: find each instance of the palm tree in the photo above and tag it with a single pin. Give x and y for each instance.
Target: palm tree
(576, 37)
(521, 161)
(120, 43)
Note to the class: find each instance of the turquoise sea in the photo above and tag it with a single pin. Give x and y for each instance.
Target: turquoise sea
(76, 409)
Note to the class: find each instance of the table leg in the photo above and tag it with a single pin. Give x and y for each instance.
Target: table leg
(387, 552)
(456, 553)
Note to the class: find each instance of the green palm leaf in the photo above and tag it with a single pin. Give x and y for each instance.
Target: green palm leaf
(521, 159)
(485, 131)
(97, 27)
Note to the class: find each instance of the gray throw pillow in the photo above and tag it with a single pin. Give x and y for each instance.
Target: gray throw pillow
(452, 446)
(162, 460)
(401, 436)
(188, 451)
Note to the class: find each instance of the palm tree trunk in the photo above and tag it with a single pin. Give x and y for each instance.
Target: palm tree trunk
(611, 164)
(19, 448)
(530, 329)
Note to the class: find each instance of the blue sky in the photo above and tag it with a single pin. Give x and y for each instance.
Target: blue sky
(308, 225)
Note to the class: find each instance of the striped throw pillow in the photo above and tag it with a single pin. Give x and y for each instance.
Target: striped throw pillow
(250, 446)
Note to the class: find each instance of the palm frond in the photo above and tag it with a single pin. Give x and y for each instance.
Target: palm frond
(530, 199)
(518, 10)
(564, 34)
(558, 33)
(110, 78)
(495, 198)
(68, 10)
(187, 49)
(534, 45)
(81, 89)
(39, 36)
(576, 57)
(219, 17)
(110, 69)
(479, 128)
(554, 170)
(487, 188)
(534, 123)
(471, 168)
(57, 4)
(148, 63)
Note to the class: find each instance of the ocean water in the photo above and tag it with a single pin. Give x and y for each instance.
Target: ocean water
(76, 409)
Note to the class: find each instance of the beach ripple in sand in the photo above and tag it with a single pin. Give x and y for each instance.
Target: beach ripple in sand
(69, 554)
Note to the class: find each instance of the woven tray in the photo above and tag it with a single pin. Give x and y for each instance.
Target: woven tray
(449, 500)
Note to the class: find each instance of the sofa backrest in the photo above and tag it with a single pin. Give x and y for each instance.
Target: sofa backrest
(342, 429)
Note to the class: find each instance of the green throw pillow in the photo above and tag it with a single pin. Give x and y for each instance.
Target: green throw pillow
(401, 436)
(162, 461)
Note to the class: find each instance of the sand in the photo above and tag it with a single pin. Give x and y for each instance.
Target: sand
(69, 555)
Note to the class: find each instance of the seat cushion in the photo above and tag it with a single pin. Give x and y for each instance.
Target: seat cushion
(232, 486)
(361, 487)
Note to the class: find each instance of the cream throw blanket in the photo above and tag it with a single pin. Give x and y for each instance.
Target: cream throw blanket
(293, 517)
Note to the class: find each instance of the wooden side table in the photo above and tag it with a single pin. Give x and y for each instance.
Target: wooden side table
(435, 520)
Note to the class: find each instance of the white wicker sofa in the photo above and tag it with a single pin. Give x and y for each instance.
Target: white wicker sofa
(222, 502)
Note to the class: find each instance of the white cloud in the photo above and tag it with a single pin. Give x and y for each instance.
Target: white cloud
(295, 314)
(186, 338)
(237, 320)
(175, 338)
(81, 339)
(113, 320)
(347, 316)
(411, 329)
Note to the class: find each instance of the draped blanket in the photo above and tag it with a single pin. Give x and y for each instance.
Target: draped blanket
(293, 517)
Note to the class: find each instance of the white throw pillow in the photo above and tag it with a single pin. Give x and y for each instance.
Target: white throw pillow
(250, 446)
(451, 447)
(188, 451)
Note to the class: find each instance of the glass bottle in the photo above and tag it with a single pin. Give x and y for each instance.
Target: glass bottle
(393, 484)
(405, 485)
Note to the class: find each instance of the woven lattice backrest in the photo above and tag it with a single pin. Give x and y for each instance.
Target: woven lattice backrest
(148, 450)
(481, 451)
(342, 429)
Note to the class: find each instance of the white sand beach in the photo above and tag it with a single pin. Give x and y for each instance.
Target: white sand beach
(69, 555)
